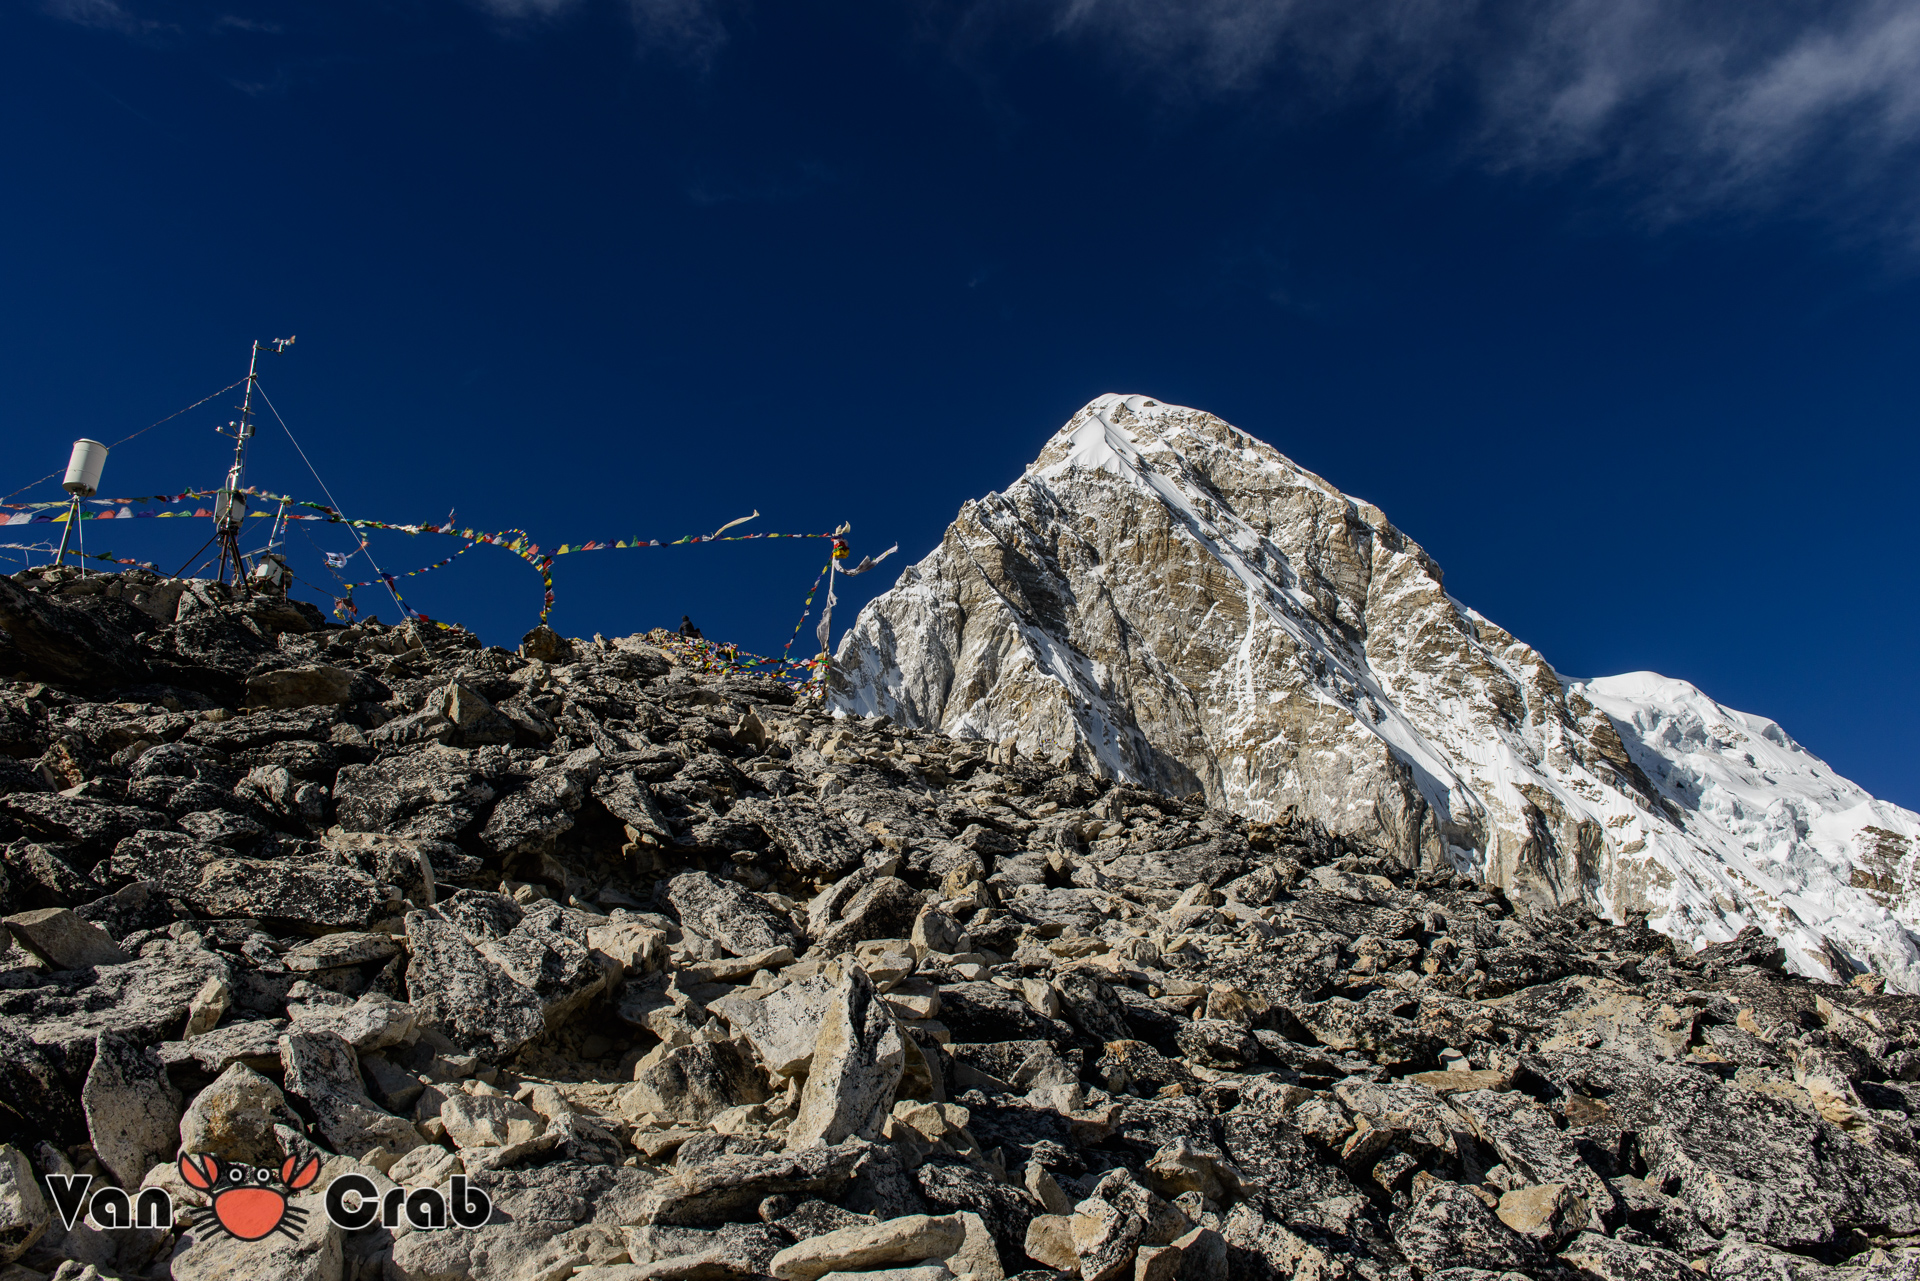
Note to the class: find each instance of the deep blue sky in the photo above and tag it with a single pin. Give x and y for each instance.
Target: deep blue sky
(1620, 322)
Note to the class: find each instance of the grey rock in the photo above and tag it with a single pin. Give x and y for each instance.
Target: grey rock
(1448, 1226)
(1220, 1043)
(548, 952)
(323, 1072)
(38, 876)
(48, 1032)
(858, 1061)
(309, 892)
(129, 908)
(1597, 1256)
(132, 1110)
(732, 1186)
(692, 1082)
(296, 803)
(449, 785)
(86, 646)
(64, 940)
(782, 1026)
(1750, 1162)
(330, 951)
(90, 828)
(463, 994)
(230, 831)
(423, 868)
(544, 809)
(732, 1250)
(525, 820)
(1528, 1142)
(955, 1187)
(170, 862)
(254, 1043)
(373, 1022)
(885, 909)
(815, 844)
(1090, 1005)
(236, 1117)
(303, 685)
(489, 1121)
(24, 1213)
(908, 1239)
(629, 799)
(981, 1012)
(730, 914)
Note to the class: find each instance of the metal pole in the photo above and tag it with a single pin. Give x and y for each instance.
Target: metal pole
(228, 528)
(73, 518)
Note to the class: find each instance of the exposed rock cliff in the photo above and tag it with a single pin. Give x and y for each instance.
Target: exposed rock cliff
(1168, 601)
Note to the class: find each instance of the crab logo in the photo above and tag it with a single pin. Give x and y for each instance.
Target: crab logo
(250, 1202)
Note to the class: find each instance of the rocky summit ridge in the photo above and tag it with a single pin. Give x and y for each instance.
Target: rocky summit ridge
(1164, 600)
(697, 979)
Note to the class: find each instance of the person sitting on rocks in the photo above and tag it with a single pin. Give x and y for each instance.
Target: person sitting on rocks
(688, 630)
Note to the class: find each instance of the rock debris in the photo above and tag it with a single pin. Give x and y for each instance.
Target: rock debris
(698, 981)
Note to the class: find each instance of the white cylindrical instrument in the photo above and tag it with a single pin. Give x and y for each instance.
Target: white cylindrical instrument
(83, 468)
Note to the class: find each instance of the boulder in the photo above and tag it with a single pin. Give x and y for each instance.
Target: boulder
(730, 914)
(304, 685)
(462, 994)
(24, 1213)
(885, 909)
(236, 1117)
(784, 1025)
(323, 1073)
(88, 828)
(858, 1060)
(1549, 1213)
(732, 1186)
(331, 951)
(913, 1238)
(546, 951)
(64, 940)
(132, 1110)
(303, 891)
(628, 798)
(689, 1084)
(374, 1022)
(1523, 1134)
(1609, 1260)
(952, 1186)
(815, 844)
(1110, 1227)
(489, 1120)
(1449, 1226)
(436, 792)
(255, 1043)
(91, 647)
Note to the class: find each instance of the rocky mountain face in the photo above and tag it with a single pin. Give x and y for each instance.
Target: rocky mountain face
(1163, 600)
(697, 980)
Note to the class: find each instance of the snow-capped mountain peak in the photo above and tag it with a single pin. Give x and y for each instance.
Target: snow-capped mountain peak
(1175, 603)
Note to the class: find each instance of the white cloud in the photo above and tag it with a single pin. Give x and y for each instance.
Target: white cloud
(690, 30)
(107, 15)
(1697, 105)
(520, 10)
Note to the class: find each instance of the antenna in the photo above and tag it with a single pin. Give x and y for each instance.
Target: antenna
(230, 509)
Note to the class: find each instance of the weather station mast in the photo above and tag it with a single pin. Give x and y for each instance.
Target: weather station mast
(230, 508)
